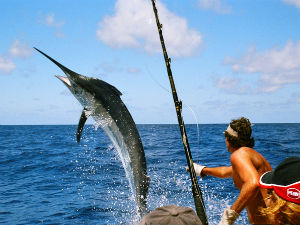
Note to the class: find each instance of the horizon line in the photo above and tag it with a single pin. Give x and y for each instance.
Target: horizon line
(92, 124)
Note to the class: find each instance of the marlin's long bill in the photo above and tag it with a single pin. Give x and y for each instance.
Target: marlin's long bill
(63, 68)
(102, 101)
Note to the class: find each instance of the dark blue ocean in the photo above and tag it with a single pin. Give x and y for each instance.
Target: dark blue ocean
(47, 178)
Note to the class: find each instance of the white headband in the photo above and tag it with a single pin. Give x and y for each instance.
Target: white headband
(231, 131)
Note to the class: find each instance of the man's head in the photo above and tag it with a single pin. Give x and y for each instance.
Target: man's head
(238, 133)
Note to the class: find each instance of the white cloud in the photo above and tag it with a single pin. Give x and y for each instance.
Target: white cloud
(19, 50)
(6, 65)
(215, 5)
(232, 85)
(52, 22)
(226, 83)
(132, 70)
(293, 2)
(276, 67)
(133, 25)
(16, 50)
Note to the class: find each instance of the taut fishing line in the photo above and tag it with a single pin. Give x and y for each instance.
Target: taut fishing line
(184, 104)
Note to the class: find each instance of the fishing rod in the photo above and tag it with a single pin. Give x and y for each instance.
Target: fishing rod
(197, 194)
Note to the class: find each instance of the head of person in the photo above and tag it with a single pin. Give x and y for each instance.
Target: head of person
(284, 197)
(238, 133)
(171, 215)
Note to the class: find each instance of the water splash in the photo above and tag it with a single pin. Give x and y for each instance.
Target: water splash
(168, 185)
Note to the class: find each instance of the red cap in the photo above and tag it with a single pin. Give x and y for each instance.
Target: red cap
(284, 180)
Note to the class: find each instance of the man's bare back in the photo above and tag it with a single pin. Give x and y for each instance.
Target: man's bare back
(247, 159)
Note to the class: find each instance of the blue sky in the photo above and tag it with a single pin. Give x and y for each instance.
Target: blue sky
(229, 58)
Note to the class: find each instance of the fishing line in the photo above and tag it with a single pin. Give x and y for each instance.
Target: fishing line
(189, 107)
(198, 130)
(156, 81)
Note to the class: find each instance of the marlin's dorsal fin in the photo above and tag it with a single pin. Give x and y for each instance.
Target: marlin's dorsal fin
(84, 116)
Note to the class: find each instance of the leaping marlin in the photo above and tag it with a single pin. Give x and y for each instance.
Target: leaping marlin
(102, 101)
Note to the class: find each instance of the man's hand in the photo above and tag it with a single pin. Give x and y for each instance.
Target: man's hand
(198, 169)
(229, 216)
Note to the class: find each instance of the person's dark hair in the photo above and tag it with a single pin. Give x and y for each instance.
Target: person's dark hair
(243, 127)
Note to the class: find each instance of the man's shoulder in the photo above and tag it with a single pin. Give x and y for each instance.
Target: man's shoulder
(242, 153)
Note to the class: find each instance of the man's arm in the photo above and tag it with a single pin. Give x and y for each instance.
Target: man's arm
(244, 169)
(220, 172)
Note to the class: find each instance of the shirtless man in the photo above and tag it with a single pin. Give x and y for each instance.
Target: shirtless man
(247, 166)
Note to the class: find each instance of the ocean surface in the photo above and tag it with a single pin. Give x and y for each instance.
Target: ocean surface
(47, 178)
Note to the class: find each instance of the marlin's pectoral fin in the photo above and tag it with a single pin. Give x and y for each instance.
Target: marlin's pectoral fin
(84, 116)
